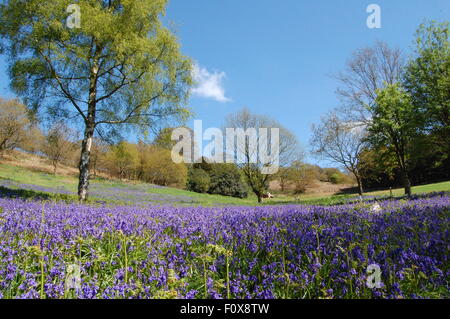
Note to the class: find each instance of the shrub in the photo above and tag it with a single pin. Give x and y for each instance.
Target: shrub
(336, 178)
(226, 180)
(198, 180)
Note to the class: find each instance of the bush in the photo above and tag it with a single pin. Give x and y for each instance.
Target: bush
(198, 180)
(336, 178)
(219, 179)
(226, 180)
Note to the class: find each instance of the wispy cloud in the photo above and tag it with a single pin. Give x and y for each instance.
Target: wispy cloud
(209, 84)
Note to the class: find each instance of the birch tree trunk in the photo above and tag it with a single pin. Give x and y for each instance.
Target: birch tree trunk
(85, 158)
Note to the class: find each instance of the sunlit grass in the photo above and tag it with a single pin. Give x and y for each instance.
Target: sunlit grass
(21, 175)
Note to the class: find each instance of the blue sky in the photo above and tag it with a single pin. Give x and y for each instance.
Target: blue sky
(276, 56)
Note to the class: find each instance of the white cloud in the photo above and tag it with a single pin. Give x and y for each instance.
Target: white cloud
(209, 85)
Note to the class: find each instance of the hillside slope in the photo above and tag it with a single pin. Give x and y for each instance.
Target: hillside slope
(30, 176)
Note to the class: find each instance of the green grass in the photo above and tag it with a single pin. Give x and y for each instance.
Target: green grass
(21, 175)
(437, 187)
(25, 176)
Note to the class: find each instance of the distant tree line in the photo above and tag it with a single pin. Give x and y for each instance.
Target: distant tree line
(148, 162)
(299, 177)
(152, 163)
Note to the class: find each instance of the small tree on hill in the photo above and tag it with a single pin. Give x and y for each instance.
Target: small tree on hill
(251, 163)
(14, 124)
(57, 145)
(340, 142)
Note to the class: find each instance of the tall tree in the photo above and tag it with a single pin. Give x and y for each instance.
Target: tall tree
(368, 70)
(247, 153)
(120, 67)
(341, 142)
(396, 124)
(427, 80)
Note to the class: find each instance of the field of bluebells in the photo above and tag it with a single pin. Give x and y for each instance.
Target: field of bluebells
(224, 252)
(102, 192)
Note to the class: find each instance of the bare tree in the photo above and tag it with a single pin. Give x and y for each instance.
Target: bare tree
(57, 145)
(32, 140)
(368, 70)
(248, 154)
(284, 177)
(303, 176)
(98, 151)
(14, 124)
(341, 142)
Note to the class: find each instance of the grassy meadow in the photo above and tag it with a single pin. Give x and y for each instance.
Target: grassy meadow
(33, 183)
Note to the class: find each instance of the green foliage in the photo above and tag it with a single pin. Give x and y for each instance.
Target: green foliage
(122, 160)
(227, 180)
(164, 139)
(204, 165)
(411, 126)
(328, 172)
(121, 68)
(336, 178)
(157, 167)
(378, 167)
(121, 45)
(198, 180)
(395, 121)
(427, 79)
(224, 179)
